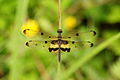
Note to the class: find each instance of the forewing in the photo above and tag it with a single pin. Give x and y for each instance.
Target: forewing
(40, 34)
(80, 35)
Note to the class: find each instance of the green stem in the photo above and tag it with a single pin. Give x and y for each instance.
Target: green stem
(15, 44)
(89, 56)
(58, 72)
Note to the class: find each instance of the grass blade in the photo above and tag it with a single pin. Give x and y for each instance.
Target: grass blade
(87, 57)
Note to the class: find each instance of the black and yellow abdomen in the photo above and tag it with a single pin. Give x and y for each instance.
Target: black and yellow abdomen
(54, 47)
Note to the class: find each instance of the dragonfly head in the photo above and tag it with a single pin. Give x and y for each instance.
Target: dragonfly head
(59, 31)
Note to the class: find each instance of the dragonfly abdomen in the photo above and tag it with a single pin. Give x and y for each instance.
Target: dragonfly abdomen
(55, 50)
(54, 46)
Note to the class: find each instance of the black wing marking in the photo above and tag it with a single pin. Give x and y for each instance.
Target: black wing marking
(80, 35)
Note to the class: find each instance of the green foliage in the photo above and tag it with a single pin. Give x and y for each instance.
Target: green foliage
(114, 15)
(18, 62)
(115, 69)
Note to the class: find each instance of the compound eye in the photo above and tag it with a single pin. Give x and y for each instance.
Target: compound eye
(59, 31)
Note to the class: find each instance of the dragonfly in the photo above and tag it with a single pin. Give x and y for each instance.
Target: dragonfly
(61, 44)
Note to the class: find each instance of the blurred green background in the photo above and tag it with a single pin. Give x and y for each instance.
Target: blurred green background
(102, 62)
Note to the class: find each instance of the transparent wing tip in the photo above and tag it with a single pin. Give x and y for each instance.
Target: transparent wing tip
(91, 44)
(93, 32)
(24, 31)
(27, 44)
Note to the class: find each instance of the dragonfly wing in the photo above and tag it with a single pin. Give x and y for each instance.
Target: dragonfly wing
(50, 45)
(40, 34)
(79, 45)
(38, 43)
(80, 35)
(70, 46)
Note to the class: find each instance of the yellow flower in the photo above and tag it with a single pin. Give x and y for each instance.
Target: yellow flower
(30, 28)
(70, 23)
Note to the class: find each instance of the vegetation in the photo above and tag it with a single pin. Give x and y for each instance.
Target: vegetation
(18, 62)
